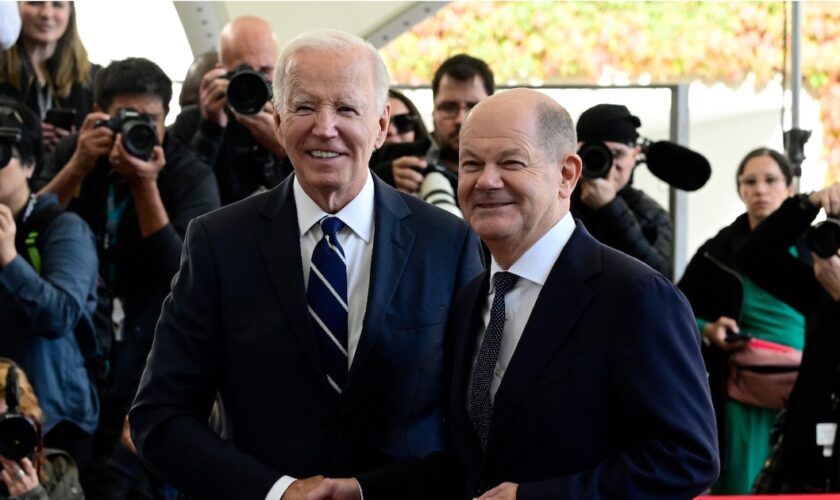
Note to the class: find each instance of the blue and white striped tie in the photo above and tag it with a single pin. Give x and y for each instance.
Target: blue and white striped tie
(326, 295)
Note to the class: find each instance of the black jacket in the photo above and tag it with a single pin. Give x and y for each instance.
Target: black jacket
(713, 284)
(632, 223)
(803, 465)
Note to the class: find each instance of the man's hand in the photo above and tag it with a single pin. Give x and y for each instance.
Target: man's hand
(827, 272)
(7, 236)
(406, 176)
(298, 489)
(137, 172)
(93, 142)
(50, 135)
(213, 98)
(261, 126)
(336, 489)
(597, 193)
(504, 491)
(716, 333)
(19, 478)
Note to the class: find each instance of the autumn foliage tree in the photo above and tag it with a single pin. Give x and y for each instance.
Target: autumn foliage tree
(657, 42)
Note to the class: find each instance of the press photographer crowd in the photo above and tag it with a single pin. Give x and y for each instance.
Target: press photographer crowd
(298, 291)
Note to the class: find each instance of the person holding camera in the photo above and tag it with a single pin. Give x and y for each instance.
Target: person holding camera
(614, 212)
(406, 125)
(33, 473)
(458, 85)
(241, 144)
(730, 308)
(807, 460)
(48, 68)
(48, 269)
(138, 188)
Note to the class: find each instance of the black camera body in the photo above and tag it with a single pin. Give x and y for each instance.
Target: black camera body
(597, 160)
(824, 237)
(139, 131)
(19, 435)
(248, 90)
(11, 133)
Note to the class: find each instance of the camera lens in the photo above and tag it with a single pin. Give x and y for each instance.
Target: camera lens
(824, 238)
(597, 159)
(139, 139)
(248, 92)
(18, 437)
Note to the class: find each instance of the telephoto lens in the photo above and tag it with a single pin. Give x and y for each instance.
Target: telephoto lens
(597, 159)
(824, 237)
(248, 90)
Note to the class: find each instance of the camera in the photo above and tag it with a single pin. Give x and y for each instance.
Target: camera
(19, 434)
(248, 90)
(824, 237)
(11, 133)
(139, 131)
(597, 160)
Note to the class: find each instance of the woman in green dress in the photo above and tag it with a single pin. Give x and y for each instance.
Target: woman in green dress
(724, 300)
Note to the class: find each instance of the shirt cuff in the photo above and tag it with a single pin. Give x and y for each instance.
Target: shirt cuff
(276, 492)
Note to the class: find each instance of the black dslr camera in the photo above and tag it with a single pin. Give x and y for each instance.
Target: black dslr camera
(824, 237)
(11, 131)
(139, 131)
(248, 90)
(597, 160)
(19, 434)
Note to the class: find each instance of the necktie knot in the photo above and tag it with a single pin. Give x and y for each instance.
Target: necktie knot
(504, 282)
(331, 225)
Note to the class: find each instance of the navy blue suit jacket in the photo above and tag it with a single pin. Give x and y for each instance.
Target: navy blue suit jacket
(236, 322)
(605, 396)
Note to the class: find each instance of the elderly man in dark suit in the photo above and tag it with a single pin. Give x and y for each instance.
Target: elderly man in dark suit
(577, 369)
(316, 310)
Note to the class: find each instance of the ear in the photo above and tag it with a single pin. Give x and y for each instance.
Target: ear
(277, 122)
(28, 170)
(384, 121)
(570, 166)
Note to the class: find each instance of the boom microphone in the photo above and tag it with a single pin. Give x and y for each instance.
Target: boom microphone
(676, 165)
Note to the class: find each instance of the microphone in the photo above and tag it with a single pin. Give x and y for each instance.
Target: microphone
(677, 165)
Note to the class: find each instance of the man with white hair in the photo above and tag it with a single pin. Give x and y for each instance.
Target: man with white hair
(316, 310)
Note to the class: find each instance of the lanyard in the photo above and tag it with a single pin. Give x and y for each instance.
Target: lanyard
(44, 101)
(30, 206)
(114, 213)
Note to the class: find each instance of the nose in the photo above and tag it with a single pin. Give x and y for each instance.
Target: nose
(462, 115)
(489, 179)
(324, 123)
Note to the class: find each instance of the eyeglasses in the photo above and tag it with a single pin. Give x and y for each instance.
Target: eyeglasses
(404, 123)
(450, 109)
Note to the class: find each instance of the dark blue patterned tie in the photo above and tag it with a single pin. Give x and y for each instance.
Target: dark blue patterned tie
(326, 295)
(481, 406)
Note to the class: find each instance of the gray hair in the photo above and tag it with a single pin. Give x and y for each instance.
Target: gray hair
(556, 130)
(325, 40)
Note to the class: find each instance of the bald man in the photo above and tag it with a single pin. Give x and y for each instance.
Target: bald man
(577, 370)
(245, 152)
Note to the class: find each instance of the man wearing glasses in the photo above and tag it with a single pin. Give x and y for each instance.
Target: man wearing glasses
(458, 85)
(612, 210)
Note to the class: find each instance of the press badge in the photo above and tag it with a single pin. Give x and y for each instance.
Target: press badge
(825, 437)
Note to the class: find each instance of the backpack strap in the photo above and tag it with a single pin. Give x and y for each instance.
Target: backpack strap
(30, 231)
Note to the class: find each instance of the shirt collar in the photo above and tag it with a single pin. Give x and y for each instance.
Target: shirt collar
(357, 215)
(535, 264)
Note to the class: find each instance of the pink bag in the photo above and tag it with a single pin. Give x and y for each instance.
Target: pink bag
(762, 374)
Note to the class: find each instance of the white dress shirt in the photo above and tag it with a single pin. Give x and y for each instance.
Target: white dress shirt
(356, 239)
(533, 268)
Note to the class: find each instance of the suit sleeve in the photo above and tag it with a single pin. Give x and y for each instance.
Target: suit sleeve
(179, 384)
(660, 395)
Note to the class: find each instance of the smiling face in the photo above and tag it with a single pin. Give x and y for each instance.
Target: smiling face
(44, 22)
(511, 188)
(329, 122)
(763, 187)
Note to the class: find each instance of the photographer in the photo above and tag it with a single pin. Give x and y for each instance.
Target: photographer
(242, 148)
(614, 212)
(458, 85)
(44, 299)
(138, 188)
(43, 473)
(808, 458)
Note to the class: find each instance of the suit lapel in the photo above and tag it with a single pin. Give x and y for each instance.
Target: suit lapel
(562, 301)
(392, 243)
(279, 243)
(466, 317)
